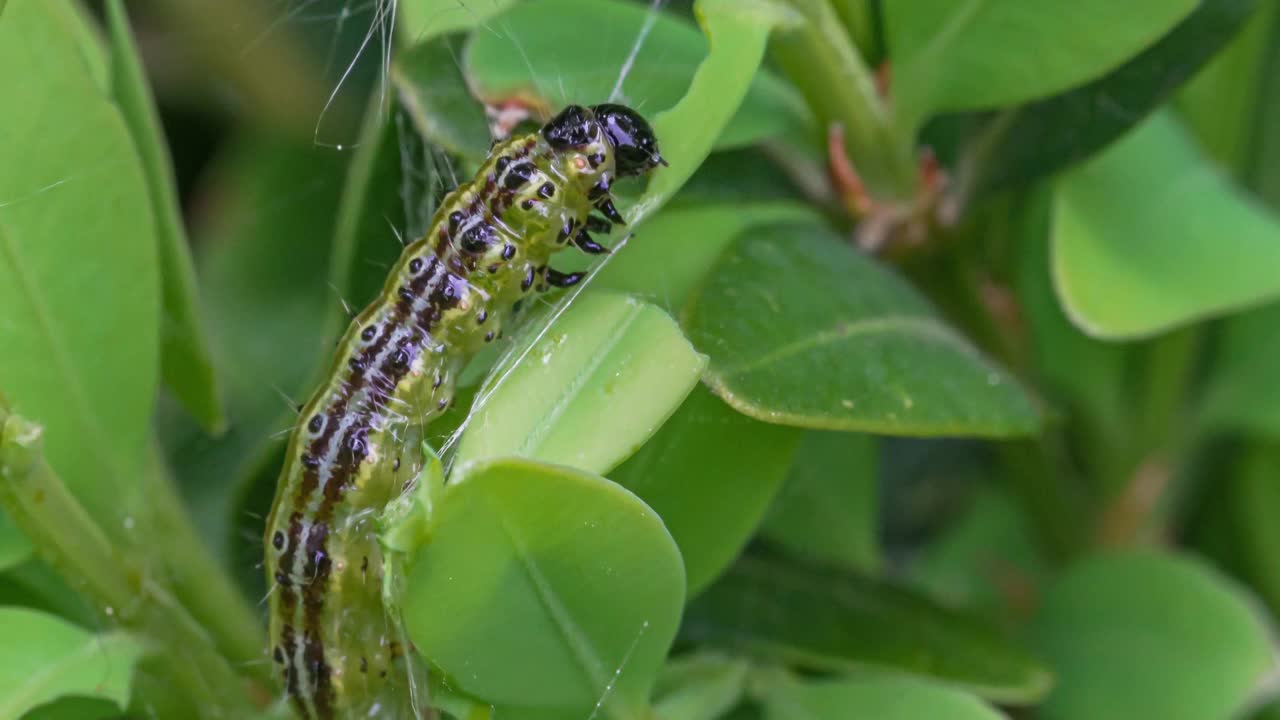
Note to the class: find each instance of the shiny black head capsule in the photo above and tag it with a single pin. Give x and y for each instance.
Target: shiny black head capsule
(635, 147)
(574, 127)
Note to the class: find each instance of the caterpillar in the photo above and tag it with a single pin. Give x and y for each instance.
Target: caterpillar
(487, 246)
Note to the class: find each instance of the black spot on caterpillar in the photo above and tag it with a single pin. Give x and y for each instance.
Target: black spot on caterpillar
(394, 372)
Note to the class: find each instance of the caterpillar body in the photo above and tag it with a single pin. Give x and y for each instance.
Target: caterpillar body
(352, 452)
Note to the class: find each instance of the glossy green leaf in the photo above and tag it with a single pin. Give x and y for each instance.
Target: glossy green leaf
(589, 390)
(1149, 236)
(826, 621)
(185, 363)
(1145, 635)
(737, 31)
(880, 697)
(423, 20)
(802, 330)
(979, 54)
(44, 658)
(704, 454)
(562, 590)
(744, 176)
(1241, 395)
(1220, 103)
(829, 505)
(78, 281)
(1041, 138)
(543, 61)
(666, 259)
(263, 270)
(431, 89)
(14, 546)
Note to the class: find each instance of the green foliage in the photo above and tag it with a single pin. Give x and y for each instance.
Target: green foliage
(787, 304)
(933, 378)
(44, 658)
(1145, 635)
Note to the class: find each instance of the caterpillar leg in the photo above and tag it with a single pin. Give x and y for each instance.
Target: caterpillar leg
(584, 243)
(598, 224)
(564, 280)
(405, 527)
(606, 208)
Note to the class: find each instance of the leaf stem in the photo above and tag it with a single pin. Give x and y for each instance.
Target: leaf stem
(73, 544)
(821, 60)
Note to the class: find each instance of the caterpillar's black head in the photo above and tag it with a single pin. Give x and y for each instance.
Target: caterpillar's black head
(635, 147)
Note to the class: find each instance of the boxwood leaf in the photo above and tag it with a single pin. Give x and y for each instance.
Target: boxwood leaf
(951, 56)
(44, 658)
(546, 587)
(589, 390)
(1142, 634)
(828, 507)
(802, 330)
(825, 620)
(704, 454)
(1150, 235)
(1041, 138)
(545, 62)
(882, 697)
(78, 278)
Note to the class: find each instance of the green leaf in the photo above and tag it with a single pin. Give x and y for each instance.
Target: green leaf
(431, 89)
(1221, 102)
(1241, 395)
(673, 251)
(980, 54)
(185, 363)
(1150, 236)
(744, 177)
(561, 589)
(880, 697)
(423, 20)
(987, 559)
(830, 622)
(78, 280)
(44, 658)
(14, 546)
(1040, 139)
(1087, 376)
(263, 269)
(545, 62)
(704, 454)
(789, 305)
(701, 686)
(737, 32)
(1145, 635)
(75, 708)
(829, 505)
(589, 390)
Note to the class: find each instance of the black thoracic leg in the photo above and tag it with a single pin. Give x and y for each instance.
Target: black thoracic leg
(606, 208)
(584, 243)
(598, 224)
(564, 280)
